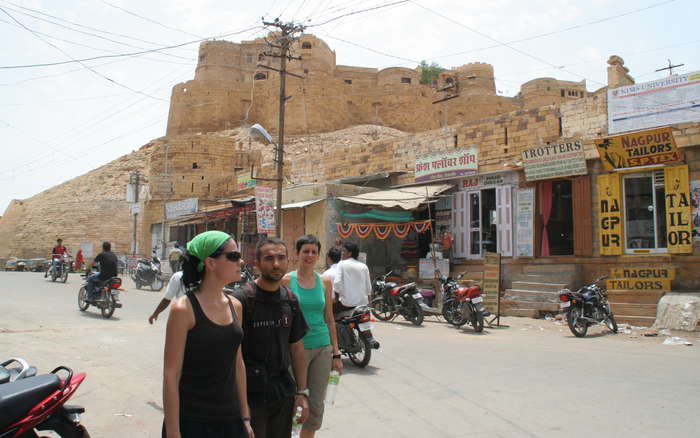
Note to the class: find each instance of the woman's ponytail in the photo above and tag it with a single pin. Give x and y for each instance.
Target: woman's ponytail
(191, 276)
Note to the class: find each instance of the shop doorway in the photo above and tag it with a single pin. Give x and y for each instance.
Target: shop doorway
(645, 211)
(556, 218)
(483, 233)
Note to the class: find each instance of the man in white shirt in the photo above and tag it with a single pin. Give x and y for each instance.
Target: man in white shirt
(332, 259)
(176, 289)
(352, 283)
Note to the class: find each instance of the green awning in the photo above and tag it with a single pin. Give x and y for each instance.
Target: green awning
(385, 215)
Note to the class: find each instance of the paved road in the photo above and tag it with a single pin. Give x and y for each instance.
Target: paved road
(531, 379)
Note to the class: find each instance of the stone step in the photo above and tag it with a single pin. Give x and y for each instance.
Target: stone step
(533, 305)
(641, 321)
(634, 296)
(633, 309)
(536, 269)
(536, 286)
(529, 295)
(528, 313)
(562, 279)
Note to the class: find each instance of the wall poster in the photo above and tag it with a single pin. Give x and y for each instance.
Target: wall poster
(265, 209)
(525, 219)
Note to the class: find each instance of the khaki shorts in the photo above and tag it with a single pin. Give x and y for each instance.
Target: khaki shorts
(318, 361)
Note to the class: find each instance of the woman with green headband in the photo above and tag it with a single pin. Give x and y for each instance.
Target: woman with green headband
(204, 379)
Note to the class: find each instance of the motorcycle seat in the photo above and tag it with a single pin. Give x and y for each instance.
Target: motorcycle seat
(10, 374)
(19, 397)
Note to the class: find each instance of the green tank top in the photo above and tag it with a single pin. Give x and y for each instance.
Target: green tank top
(313, 306)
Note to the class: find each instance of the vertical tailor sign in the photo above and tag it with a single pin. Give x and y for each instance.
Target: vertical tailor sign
(610, 214)
(447, 165)
(678, 210)
(265, 209)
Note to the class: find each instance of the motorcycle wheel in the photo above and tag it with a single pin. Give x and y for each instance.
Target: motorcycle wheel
(415, 314)
(137, 284)
(53, 276)
(577, 327)
(64, 276)
(449, 310)
(82, 297)
(381, 310)
(478, 322)
(108, 309)
(157, 284)
(610, 319)
(362, 358)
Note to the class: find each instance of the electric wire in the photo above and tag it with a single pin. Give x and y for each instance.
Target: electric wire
(359, 12)
(150, 20)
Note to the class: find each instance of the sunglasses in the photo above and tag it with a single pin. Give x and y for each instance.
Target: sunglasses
(232, 256)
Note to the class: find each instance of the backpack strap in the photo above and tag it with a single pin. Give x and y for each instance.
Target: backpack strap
(249, 305)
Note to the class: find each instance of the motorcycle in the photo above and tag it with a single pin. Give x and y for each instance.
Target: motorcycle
(107, 298)
(31, 402)
(148, 273)
(60, 266)
(463, 304)
(390, 299)
(247, 276)
(355, 340)
(586, 307)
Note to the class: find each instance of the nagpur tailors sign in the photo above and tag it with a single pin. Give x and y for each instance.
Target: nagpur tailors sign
(447, 165)
(643, 148)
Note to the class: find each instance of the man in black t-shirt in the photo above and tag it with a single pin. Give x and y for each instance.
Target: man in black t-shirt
(108, 269)
(274, 327)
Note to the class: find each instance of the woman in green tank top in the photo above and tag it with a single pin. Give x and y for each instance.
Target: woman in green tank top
(320, 343)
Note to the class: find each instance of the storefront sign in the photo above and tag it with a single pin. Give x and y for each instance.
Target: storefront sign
(495, 179)
(666, 101)
(447, 165)
(554, 161)
(525, 222)
(644, 148)
(610, 215)
(244, 181)
(643, 273)
(265, 209)
(679, 228)
(492, 280)
(641, 284)
(184, 207)
(695, 203)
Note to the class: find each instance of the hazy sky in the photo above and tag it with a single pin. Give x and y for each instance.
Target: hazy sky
(60, 121)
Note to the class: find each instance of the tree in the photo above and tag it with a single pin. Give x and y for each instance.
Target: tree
(429, 72)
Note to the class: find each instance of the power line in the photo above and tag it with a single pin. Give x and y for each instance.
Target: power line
(150, 20)
(359, 12)
(158, 49)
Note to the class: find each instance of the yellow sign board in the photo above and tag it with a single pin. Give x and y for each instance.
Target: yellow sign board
(638, 284)
(643, 273)
(643, 148)
(610, 225)
(679, 228)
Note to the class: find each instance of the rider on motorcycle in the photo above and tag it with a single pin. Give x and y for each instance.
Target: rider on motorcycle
(352, 283)
(108, 269)
(56, 252)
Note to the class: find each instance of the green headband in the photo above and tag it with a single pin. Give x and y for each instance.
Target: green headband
(205, 244)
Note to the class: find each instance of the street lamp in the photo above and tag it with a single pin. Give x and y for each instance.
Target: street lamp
(260, 134)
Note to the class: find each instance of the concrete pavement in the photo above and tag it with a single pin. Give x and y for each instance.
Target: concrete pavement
(531, 379)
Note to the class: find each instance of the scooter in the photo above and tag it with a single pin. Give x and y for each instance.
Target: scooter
(148, 273)
(31, 402)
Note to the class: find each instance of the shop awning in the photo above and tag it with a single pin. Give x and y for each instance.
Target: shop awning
(407, 198)
(300, 204)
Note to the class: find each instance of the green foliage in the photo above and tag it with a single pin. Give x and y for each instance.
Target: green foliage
(429, 72)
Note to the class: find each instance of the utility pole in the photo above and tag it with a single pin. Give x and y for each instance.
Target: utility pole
(284, 41)
(135, 181)
(670, 68)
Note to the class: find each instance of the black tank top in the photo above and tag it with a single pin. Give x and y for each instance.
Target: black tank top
(208, 382)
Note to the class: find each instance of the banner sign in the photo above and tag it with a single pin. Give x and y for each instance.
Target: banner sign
(495, 179)
(643, 273)
(674, 99)
(447, 165)
(610, 214)
(265, 209)
(524, 217)
(244, 181)
(554, 161)
(656, 146)
(184, 207)
(679, 227)
(492, 281)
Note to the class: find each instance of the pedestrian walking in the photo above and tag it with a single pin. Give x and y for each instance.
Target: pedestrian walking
(274, 327)
(176, 289)
(204, 375)
(174, 258)
(320, 343)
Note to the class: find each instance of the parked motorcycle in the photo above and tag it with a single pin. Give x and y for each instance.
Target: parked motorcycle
(31, 402)
(586, 307)
(390, 299)
(463, 305)
(148, 272)
(247, 276)
(355, 338)
(60, 266)
(107, 298)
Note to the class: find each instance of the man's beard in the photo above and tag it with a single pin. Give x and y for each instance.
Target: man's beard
(272, 276)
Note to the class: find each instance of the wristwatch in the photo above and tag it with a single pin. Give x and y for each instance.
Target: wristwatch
(304, 392)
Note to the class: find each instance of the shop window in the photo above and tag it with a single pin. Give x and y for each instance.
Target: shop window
(348, 81)
(644, 211)
(306, 45)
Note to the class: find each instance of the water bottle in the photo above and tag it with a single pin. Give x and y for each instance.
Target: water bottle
(333, 381)
(296, 425)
